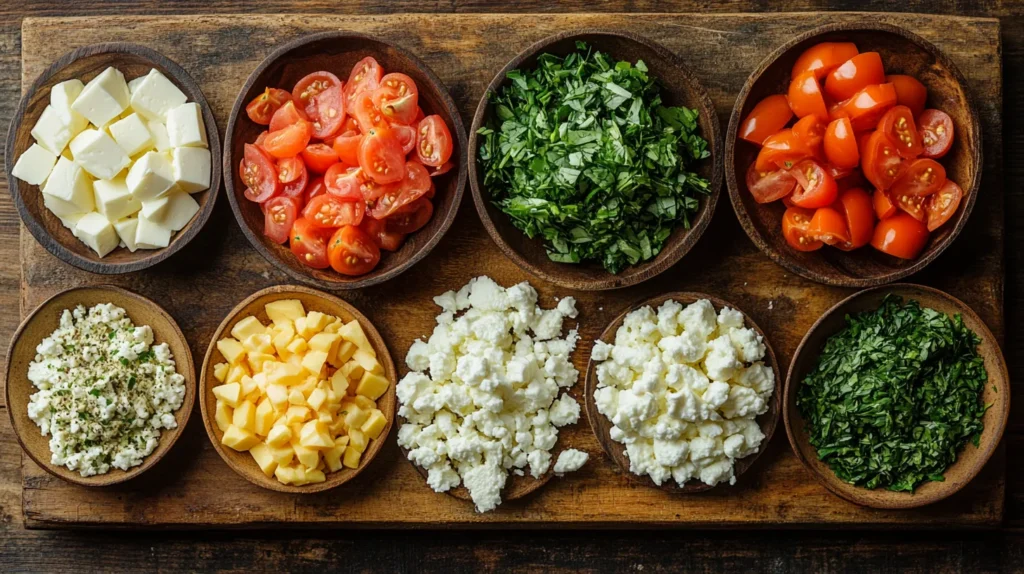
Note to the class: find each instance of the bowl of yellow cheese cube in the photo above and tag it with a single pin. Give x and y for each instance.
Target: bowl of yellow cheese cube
(298, 390)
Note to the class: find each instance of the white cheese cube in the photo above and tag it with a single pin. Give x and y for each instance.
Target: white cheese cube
(51, 132)
(131, 134)
(62, 96)
(62, 209)
(70, 221)
(103, 98)
(95, 231)
(134, 85)
(161, 141)
(179, 211)
(191, 166)
(113, 199)
(69, 182)
(185, 126)
(126, 231)
(155, 96)
(99, 154)
(155, 209)
(150, 234)
(150, 176)
(36, 163)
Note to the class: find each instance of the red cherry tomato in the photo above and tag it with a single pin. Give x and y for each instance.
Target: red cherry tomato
(436, 171)
(368, 115)
(782, 149)
(854, 75)
(768, 116)
(344, 182)
(309, 243)
(285, 116)
(320, 95)
(900, 236)
(259, 175)
(841, 144)
(328, 211)
(868, 105)
(346, 146)
(314, 189)
(382, 237)
(352, 251)
(823, 58)
(770, 186)
(898, 124)
(406, 136)
(880, 160)
(856, 206)
(815, 187)
(936, 133)
(365, 77)
(294, 171)
(942, 205)
(413, 186)
(397, 98)
(289, 141)
(912, 205)
(278, 216)
(829, 226)
(319, 157)
(796, 223)
(810, 132)
(910, 92)
(433, 141)
(805, 98)
(261, 109)
(921, 177)
(884, 207)
(381, 157)
(412, 217)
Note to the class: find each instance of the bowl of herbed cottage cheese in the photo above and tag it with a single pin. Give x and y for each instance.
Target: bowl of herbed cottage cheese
(100, 382)
(681, 392)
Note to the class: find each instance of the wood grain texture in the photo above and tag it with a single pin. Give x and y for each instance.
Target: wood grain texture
(721, 50)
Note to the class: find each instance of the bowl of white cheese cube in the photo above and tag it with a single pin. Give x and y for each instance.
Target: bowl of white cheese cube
(109, 158)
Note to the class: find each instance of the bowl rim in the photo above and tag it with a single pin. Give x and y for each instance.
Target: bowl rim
(670, 255)
(373, 277)
(900, 500)
(185, 409)
(180, 238)
(783, 258)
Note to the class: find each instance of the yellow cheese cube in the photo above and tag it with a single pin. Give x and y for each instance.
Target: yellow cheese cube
(264, 417)
(345, 351)
(374, 424)
(295, 397)
(325, 417)
(341, 440)
(239, 439)
(357, 439)
(231, 350)
(261, 381)
(223, 416)
(301, 330)
(278, 396)
(247, 327)
(326, 342)
(372, 385)
(248, 385)
(307, 457)
(279, 435)
(364, 403)
(296, 414)
(333, 325)
(297, 346)
(339, 383)
(332, 457)
(314, 361)
(316, 321)
(352, 370)
(314, 435)
(353, 331)
(264, 459)
(367, 361)
(285, 334)
(220, 371)
(259, 343)
(238, 371)
(285, 374)
(315, 476)
(316, 399)
(285, 474)
(245, 416)
(284, 310)
(230, 393)
(351, 458)
(283, 454)
(354, 416)
(337, 427)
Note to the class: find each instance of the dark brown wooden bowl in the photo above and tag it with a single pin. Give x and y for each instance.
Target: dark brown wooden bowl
(903, 52)
(40, 323)
(969, 461)
(337, 52)
(84, 64)
(602, 426)
(679, 88)
(312, 300)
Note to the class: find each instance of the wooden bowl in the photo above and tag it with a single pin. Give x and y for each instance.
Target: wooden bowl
(337, 52)
(84, 64)
(312, 300)
(679, 88)
(602, 426)
(970, 459)
(903, 52)
(45, 319)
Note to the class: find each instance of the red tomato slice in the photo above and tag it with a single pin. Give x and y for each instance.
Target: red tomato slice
(367, 114)
(412, 217)
(314, 189)
(347, 147)
(309, 243)
(854, 75)
(942, 205)
(815, 187)
(365, 77)
(319, 157)
(406, 136)
(289, 141)
(921, 177)
(259, 175)
(795, 225)
(880, 160)
(352, 251)
(261, 109)
(856, 206)
(898, 124)
(770, 186)
(381, 157)
(436, 171)
(344, 182)
(768, 116)
(810, 132)
(295, 171)
(900, 236)
(805, 98)
(912, 205)
(433, 141)
(397, 98)
(829, 226)
(909, 92)
(381, 236)
(278, 216)
(884, 207)
(868, 105)
(936, 133)
(823, 58)
(329, 211)
(320, 95)
(781, 150)
(841, 144)
(285, 116)
(413, 186)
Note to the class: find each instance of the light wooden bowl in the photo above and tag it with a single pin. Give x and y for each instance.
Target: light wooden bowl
(337, 52)
(40, 323)
(903, 52)
(969, 461)
(679, 87)
(85, 63)
(617, 451)
(312, 300)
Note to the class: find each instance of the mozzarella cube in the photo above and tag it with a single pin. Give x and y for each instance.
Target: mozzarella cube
(61, 97)
(151, 235)
(51, 132)
(134, 85)
(69, 182)
(103, 98)
(150, 177)
(185, 126)
(191, 168)
(161, 141)
(155, 210)
(113, 199)
(131, 134)
(96, 231)
(126, 229)
(67, 212)
(155, 95)
(179, 211)
(99, 154)
(35, 165)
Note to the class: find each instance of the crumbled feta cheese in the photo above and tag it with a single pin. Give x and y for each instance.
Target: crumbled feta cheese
(570, 460)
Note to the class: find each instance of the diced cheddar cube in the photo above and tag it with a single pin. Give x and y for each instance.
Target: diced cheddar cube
(223, 416)
(264, 417)
(239, 439)
(297, 346)
(332, 457)
(248, 385)
(257, 360)
(258, 343)
(337, 427)
(352, 370)
(283, 454)
(339, 383)
(316, 321)
(372, 385)
(316, 399)
(308, 457)
(230, 393)
(314, 434)
(351, 458)
(353, 331)
(325, 417)
(345, 351)
(247, 327)
(333, 325)
(245, 416)
(285, 334)
(284, 310)
(285, 374)
(236, 372)
(326, 342)
(296, 414)
(220, 371)
(285, 474)
(278, 395)
(279, 435)
(264, 458)
(354, 416)
(315, 476)
(314, 361)
(342, 440)
(374, 424)
(301, 330)
(295, 397)
(231, 350)
(364, 403)
(367, 361)
(357, 439)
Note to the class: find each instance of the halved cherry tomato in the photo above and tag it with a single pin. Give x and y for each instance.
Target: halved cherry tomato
(289, 141)
(805, 97)
(900, 236)
(436, 171)
(412, 217)
(397, 98)
(297, 177)
(352, 251)
(347, 147)
(810, 132)
(884, 207)
(936, 133)
(381, 236)
(912, 205)
(910, 92)
(309, 243)
(381, 157)
(431, 191)
(278, 216)
(285, 116)
(365, 77)
(314, 189)
(898, 124)
(856, 206)
(942, 205)
(433, 141)
(823, 58)
(829, 226)
(413, 186)
(261, 109)
(782, 149)
(795, 224)
(841, 144)
(330, 211)
(815, 187)
(769, 186)
(320, 95)
(344, 181)
(854, 75)
(368, 115)
(259, 175)
(768, 116)
(260, 139)
(406, 136)
(319, 157)
(921, 177)
(880, 160)
(868, 105)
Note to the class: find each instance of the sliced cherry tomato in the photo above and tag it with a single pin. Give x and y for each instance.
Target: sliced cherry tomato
(942, 205)
(936, 133)
(285, 116)
(898, 124)
(432, 191)
(347, 147)
(365, 77)
(855, 205)
(406, 136)
(781, 149)
(881, 161)
(900, 236)
(823, 58)
(769, 186)
(815, 187)
(278, 216)
(297, 177)
(841, 144)
(413, 186)
(319, 157)
(368, 115)
(344, 181)
(330, 211)
(884, 207)
(412, 217)
(314, 189)
(436, 171)
(912, 205)
(810, 132)
(289, 141)
(921, 177)
(259, 174)
(381, 157)
(381, 236)
(768, 116)
(261, 109)
(260, 139)
(805, 98)
(433, 141)
(854, 75)
(352, 251)
(796, 223)
(910, 92)
(868, 105)
(320, 95)
(829, 226)
(309, 243)
(397, 98)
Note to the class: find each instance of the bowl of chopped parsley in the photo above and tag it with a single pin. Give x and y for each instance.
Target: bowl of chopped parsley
(594, 160)
(897, 397)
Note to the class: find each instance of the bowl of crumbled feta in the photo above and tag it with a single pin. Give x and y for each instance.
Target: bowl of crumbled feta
(486, 393)
(681, 392)
(100, 382)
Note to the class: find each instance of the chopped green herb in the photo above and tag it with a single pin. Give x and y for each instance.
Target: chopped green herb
(131, 382)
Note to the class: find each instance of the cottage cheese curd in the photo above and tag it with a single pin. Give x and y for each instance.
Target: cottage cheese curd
(483, 395)
(682, 387)
(105, 390)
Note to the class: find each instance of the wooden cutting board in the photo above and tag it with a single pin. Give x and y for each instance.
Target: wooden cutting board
(192, 487)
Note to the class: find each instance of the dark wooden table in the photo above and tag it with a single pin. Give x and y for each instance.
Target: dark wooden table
(711, 551)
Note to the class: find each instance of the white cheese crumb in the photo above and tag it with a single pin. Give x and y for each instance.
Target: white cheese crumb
(570, 460)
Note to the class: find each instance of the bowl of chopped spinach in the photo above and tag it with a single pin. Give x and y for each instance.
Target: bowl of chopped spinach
(594, 160)
(897, 397)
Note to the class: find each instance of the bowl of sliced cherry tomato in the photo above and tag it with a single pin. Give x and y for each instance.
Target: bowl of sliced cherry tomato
(853, 154)
(347, 157)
